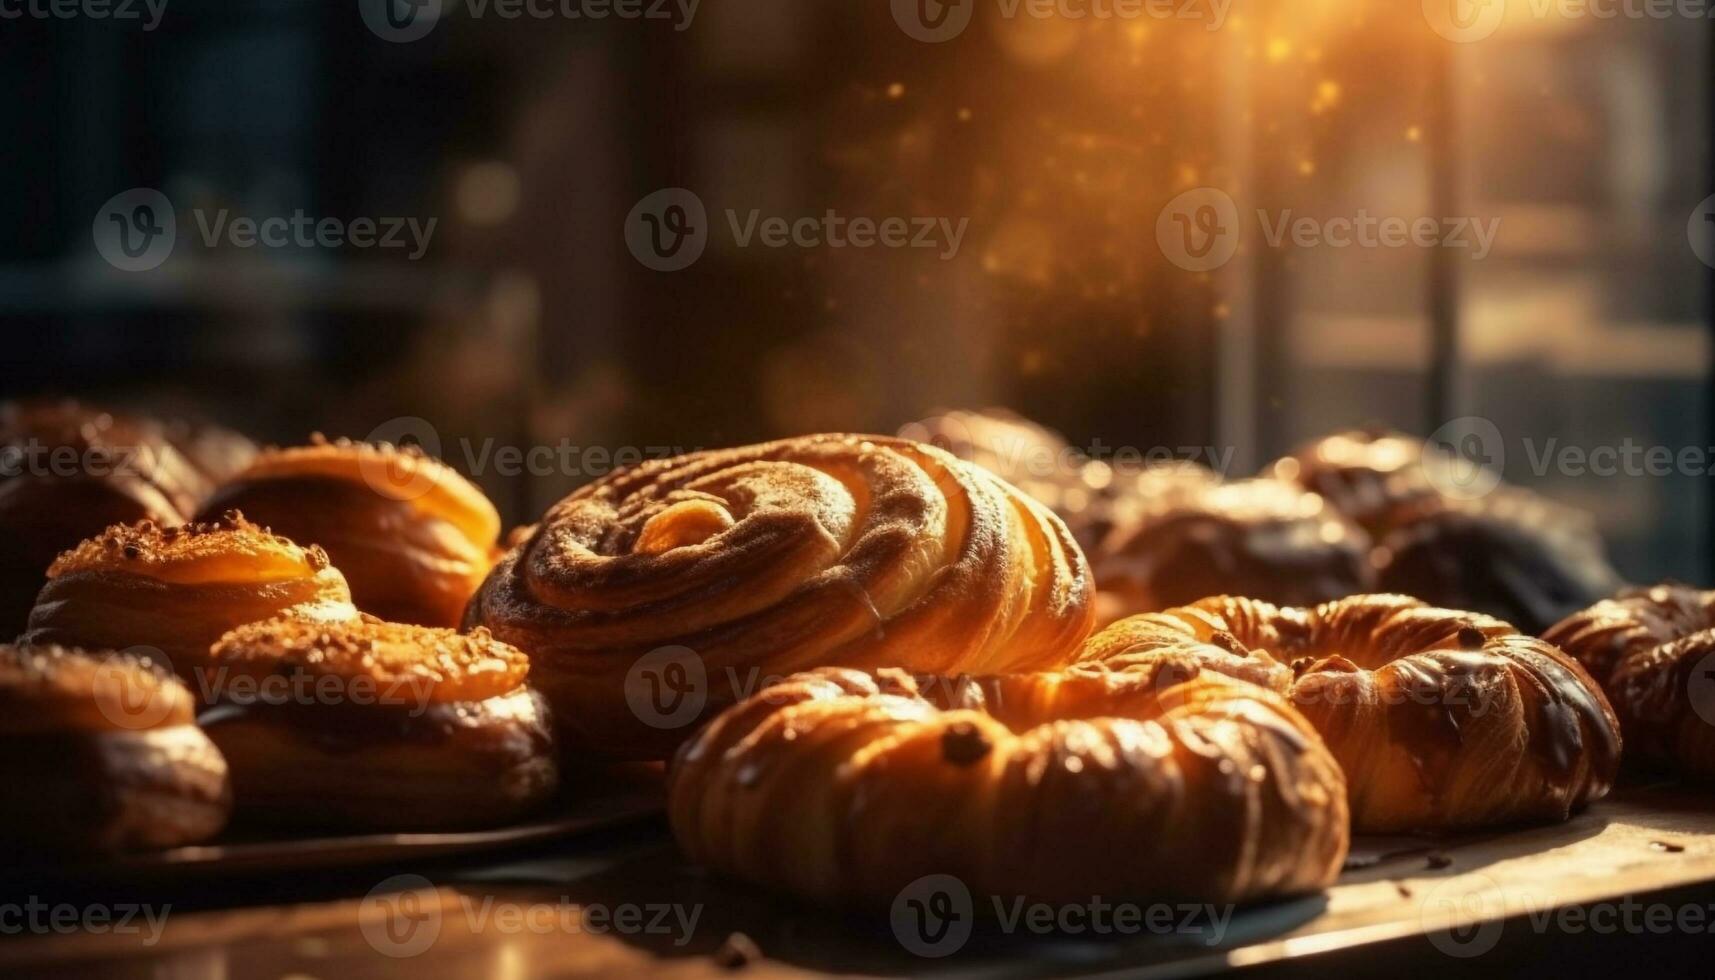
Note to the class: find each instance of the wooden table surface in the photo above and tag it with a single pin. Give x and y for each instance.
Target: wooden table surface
(550, 912)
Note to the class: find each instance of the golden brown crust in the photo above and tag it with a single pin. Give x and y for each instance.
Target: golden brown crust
(103, 754)
(443, 665)
(178, 590)
(1440, 719)
(1654, 652)
(413, 537)
(1371, 476)
(841, 550)
(1264, 538)
(844, 787)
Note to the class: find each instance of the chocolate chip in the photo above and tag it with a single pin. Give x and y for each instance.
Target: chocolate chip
(737, 952)
(1661, 845)
(964, 744)
(1471, 638)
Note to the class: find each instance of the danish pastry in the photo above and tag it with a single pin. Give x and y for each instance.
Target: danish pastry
(1441, 720)
(102, 753)
(68, 471)
(1654, 652)
(369, 725)
(413, 537)
(844, 787)
(1263, 538)
(179, 589)
(739, 566)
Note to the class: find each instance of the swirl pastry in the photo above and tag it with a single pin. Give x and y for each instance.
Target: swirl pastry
(1441, 720)
(413, 537)
(1258, 537)
(1511, 554)
(67, 472)
(844, 787)
(102, 753)
(369, 725)
(1371, 476)
(179, 589)
(768, 560)
(1654, 652)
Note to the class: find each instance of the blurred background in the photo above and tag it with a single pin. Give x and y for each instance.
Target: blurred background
(1060, 142)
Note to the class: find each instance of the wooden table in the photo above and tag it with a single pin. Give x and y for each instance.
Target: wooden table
(1487, 902)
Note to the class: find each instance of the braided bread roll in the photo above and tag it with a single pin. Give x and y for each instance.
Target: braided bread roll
(1654, 652)
(844, 787)
(1441, 720)
(760, 562)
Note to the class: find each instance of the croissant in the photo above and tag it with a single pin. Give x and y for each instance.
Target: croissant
(102, 753)
(179, 589)
(413, 537)
(712, 573)
(1371, 476)
(376, 726)
(844, 787)
(1441, 720)
(1652, 650)
(66, 472)
(1263, 538)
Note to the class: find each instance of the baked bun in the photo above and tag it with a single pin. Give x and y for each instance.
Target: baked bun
(1511, 554)
(734, 566)
(1441, 720)
(1373, 476)
(374, 726)
(1654, 652)
(67, 472)
(1172, 783)
(102, 753)
(413, 537)
(179, 589)
(1264, 538)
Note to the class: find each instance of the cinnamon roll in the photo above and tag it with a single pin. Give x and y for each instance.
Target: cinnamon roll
(102, 753)
(659, 592)
(1441, 720)
(179, 589)
(376, 726)
(844, 788)
(413, 537)
(1263, 538)
(1654, 652)
(66, 472)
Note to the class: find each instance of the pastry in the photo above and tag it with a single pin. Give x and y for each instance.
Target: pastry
(68, 471)
(1264, 538)
(659, 594)
(1511, 554)
(1654, 652)
(1169, 784)
(1372, 476)
(102, 753)
(179, 589)
(1441, 720)
(413, 537)
(375, 726)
